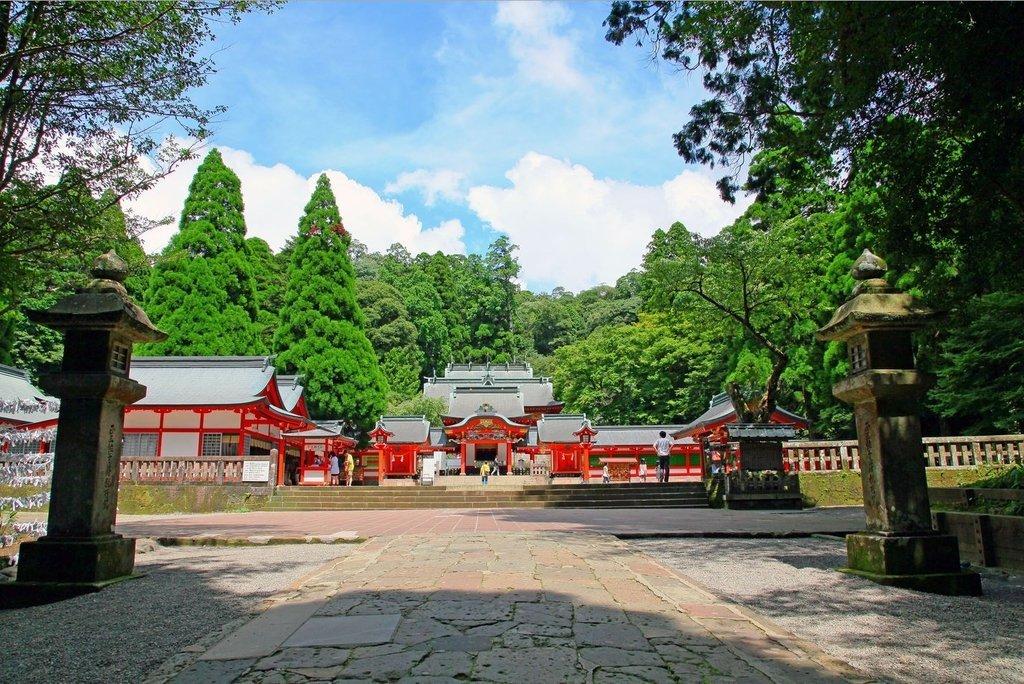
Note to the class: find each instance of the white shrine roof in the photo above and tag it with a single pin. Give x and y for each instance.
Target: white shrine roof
(15, 385)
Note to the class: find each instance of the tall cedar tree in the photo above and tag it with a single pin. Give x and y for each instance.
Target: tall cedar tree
(322, 330)
(202, 290)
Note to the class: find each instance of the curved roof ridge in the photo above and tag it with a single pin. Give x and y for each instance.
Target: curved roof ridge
(203, 361)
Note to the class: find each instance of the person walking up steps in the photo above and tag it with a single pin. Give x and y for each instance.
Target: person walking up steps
(663, 447)
(485, 471)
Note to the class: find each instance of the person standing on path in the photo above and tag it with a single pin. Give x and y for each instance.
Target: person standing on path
(643, 470)
(663, 447)
(606, 476)
(350, 468)
(335, 469)
(485, 470)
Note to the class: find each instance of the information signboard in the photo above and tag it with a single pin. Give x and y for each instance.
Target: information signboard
(256, 471)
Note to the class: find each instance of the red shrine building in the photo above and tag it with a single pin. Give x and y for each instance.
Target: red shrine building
(709, 430)
(235, 420)
(502, 414)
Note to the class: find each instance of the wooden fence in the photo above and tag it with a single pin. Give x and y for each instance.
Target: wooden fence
(939, 452)
(216, 470)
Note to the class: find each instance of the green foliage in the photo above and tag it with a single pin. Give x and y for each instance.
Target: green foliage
(420, 405)
(847, 71)
(393, 336)
(981, 374)
(202, 290)
(91, 89)
(757, 276)
(322, 328)
(657, 370)
(550, 321)
(269, 273)
(900, 127)
(26, 345)
(1008, 478)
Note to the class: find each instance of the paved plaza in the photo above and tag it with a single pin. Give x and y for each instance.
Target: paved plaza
(631, 521)
(510, 607)
(512, 596)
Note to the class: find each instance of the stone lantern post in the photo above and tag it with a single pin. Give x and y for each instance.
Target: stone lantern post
(80, 552)
(899, 547)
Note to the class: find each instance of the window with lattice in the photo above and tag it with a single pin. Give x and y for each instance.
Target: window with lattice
(140, 444)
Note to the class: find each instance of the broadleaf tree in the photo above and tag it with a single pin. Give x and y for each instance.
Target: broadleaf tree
(104, 88)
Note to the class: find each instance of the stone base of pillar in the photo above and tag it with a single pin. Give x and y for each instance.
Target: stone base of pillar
(924, 562)
(96, 559)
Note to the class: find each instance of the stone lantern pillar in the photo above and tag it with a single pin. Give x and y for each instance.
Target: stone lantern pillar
(899, 547)
(80, 552)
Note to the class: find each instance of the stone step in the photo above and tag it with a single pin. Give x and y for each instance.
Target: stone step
(331, 506)
(599, 495)
(490, 497)
(388, 491)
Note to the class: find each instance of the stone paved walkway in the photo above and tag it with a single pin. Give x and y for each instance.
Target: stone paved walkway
(511, 607)
(434, 521)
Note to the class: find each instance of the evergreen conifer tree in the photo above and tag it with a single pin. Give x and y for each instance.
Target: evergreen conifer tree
(322, 330)
(202, 291)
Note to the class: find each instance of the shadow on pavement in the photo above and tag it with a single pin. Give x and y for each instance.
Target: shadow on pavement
(518, 637)
(126, 631)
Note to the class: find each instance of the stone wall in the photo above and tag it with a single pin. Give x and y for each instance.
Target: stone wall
(176, 498)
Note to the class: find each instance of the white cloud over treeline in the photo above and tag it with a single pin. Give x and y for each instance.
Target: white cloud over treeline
(577, 230)
(573, 228)
(275, 196)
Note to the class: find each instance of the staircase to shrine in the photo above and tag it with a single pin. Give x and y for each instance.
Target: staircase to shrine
(632, 495)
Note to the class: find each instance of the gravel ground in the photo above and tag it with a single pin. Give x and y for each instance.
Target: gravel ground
(892, 634)
(123, 633)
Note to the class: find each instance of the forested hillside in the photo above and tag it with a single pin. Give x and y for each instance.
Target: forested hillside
(813, 110)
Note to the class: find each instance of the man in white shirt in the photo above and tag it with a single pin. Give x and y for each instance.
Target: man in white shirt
(663, 448)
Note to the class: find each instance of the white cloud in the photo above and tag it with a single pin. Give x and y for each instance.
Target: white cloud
(274, 199)
(441, 183)
(576, 230)
(543, 55)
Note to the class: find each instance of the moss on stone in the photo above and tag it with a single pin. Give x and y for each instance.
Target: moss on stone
(843, 488)
(837, 488)
(190, 498)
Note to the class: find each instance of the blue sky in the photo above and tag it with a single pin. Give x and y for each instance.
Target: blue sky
(442, 125)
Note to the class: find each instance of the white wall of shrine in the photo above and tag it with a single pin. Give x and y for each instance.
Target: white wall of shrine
(141, 419)
(176, 444)
(181, 419)
(221, 420)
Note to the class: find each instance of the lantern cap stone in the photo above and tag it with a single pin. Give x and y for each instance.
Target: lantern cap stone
(875, 305)
(109, 266)
(868, 265)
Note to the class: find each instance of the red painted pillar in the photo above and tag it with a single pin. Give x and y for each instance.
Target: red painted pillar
(462, 457)
(280, 461)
